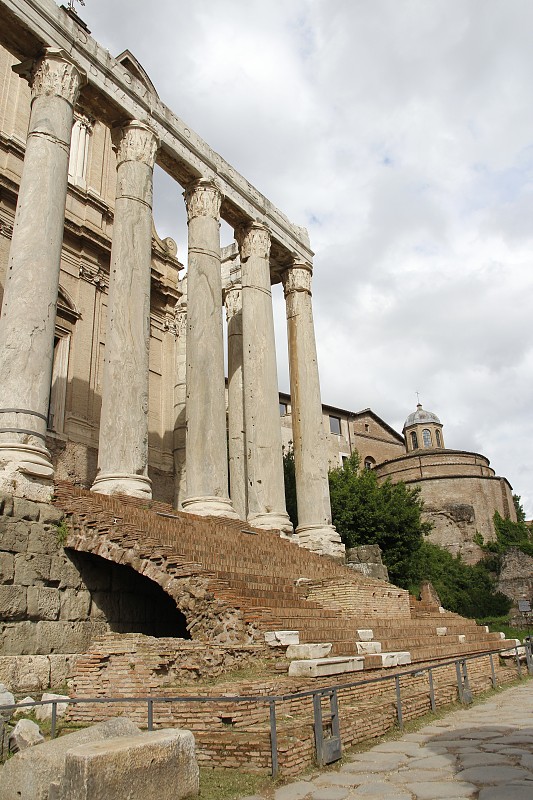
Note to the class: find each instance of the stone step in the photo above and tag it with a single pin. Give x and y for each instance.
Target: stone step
(308, 651)
(322, 667)
(387, 660)
(368, 648)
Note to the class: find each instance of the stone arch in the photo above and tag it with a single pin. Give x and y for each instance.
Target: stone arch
(207, 617)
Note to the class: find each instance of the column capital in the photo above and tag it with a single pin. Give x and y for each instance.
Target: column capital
(54, 74)
(233, 300)
(253, 239)
(297, 278)
(135, 141)
(202, 199)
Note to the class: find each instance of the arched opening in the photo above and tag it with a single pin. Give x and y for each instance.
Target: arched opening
(414, 440)
(369, 462)
(426, 436)
(127, 601)
(437, 437)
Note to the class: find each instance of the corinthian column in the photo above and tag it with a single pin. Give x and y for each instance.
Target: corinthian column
(206, 446)
(32, 279)
(314, 530)
(237, 470)
(123, 445)
(264, 466)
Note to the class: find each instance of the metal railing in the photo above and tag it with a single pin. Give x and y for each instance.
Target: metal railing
(328, 748)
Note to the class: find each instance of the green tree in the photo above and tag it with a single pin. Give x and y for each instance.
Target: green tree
(387, 514)
(289, 476)
(520, 513)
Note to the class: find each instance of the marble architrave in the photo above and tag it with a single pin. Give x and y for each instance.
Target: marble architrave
(28, 315)
(206, 450)
(314, 530)
(264, 459)
(123, 444)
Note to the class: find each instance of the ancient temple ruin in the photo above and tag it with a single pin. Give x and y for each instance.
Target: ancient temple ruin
(76, 86)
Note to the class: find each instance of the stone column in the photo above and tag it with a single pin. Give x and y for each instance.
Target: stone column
(264, 458)
(206, 447)
(314, 530)
(237, 467)
(28, 317)
(180, 395)
(123, 444)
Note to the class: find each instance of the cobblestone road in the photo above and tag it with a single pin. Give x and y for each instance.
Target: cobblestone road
(484, 752)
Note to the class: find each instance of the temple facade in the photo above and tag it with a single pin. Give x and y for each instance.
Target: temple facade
(112, 361)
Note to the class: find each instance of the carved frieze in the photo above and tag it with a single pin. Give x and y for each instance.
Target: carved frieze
(253, 239)
(136, 142)
(95, 276)
(56, 75)
(297, 279)
(233, 300)
(6, 229)
(202, 199)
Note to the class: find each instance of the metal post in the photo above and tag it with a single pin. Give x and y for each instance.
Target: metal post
(54, 720)
(518, 664)
(398, 701)
(459, 680)
(431, 691)
(493, 672)
(319, 729)
(273, 738)
(529, 659)
(467, 694)
(150, 715)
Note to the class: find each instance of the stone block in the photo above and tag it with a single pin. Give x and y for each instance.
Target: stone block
(14, 535)
(404, 658)
(6, 504)
(19, 638)
(7, 567)
(28, 775)
(43, 602)
(75, 605)
(6, 699)
(25, 734)
(43, 713)
(50, 515)
(461, 638)
(24, 709)
(65, 637)
(365, 635)
(441, 631)
(64, 572)
(42, 540)
(13, 602)
(160, 764)
(25, 509)
(322, 667)
(296, 651)
(387, 660)
(26, 673)
(368, 648)
(282, 638)
(62, 667)
(31, 569)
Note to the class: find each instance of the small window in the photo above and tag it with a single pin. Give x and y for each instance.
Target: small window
(367, 427)
(414, 440)
(283, 409)
(335, 425)
(426, 436)
(344, 459)
(437, 437)
(369, 462)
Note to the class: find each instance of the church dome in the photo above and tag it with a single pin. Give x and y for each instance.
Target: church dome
(420, 416)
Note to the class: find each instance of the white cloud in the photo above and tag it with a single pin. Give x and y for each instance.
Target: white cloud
(401, 134)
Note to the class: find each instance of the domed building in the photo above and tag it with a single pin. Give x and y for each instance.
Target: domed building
(460, 489)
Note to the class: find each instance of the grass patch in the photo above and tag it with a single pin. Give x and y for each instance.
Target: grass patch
(229, 784)
(502, 624)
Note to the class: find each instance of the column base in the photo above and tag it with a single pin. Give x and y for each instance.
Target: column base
(322, 539)
(123, 483)
(26, 471)
(209, 507)
(272, 521)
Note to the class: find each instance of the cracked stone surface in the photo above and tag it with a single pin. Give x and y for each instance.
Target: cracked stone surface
(484, 752)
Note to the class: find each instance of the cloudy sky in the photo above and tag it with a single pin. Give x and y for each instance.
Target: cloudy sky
(400, 132)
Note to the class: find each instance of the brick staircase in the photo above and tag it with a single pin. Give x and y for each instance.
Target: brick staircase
(273, 584)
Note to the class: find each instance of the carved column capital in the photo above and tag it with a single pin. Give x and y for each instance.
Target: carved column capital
(253, 239)
(202, 199)
(233, 300)
(55, 74)
(136, 141)
(297, 279)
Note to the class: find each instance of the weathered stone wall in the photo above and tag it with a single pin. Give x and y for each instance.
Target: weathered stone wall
(516, 581)
(57, 601)
(367, 560)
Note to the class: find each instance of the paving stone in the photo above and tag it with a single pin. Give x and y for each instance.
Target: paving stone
(510, 792)
(408, 775)
(369, 766)
(433, 762)
(338, 779)
(390, 760)
(526, 761)
(432, 790)
(489, 775)
(408, 748)
(330, 793)
(294, 791)
(377, 790)
(484, 759)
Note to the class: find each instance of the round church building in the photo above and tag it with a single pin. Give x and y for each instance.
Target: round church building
(460, 489)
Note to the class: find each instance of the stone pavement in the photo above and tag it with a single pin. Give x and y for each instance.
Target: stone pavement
(484, 752)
